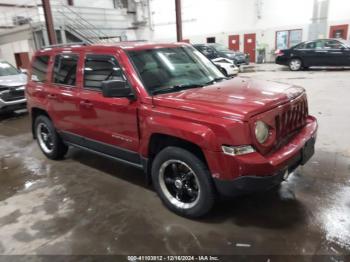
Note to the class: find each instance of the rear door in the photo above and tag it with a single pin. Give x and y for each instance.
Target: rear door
(63, 92)
(312, 54)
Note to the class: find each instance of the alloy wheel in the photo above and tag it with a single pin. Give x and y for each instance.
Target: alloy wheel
(179, 184)
(45, 138)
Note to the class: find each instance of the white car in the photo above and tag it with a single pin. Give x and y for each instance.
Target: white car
(12, 86)
(227, 65)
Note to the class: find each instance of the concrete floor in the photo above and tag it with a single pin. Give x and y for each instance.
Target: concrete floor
(90, 205)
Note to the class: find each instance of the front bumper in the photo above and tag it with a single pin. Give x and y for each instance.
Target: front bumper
(254, 172)
(12, 105)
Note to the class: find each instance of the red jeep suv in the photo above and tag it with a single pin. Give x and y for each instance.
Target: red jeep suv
(165, 108)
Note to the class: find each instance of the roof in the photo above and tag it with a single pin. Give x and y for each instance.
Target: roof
(131, 45)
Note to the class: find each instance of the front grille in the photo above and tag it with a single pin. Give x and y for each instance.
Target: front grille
(291, 118)
(12, 94)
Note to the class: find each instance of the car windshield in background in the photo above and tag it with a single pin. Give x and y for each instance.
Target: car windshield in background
(7, 70)
(346, 43)
(165, 70)
(221, 48)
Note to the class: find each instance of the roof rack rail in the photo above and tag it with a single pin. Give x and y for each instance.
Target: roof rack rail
(66, 45)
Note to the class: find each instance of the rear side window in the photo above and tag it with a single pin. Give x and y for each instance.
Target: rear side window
(65, 69)
(99, 68)
(40, 68)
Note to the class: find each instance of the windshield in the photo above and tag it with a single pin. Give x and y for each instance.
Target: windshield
(221, 48)
(345, 42)
(163, 69)
(7, 70)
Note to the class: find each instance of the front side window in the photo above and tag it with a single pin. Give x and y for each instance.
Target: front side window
(333, 44)
(221, 48)
(99, 68)
(65, 69)
(40, 68)
(163, 69)
(7, 70)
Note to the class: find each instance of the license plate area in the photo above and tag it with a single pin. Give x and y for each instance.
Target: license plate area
(308, 151)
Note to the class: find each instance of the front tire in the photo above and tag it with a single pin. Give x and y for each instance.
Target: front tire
(183, 182)
(49, 141)
(295, 64)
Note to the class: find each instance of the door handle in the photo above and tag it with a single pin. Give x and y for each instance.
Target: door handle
(86, 103)
(51, 96)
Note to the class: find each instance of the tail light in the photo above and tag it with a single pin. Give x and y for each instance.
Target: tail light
(279, 52)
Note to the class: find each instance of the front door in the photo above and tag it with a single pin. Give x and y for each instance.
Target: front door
(233, 42)
(339, 31)
(338, 54)
(109, 124)
(250, 45)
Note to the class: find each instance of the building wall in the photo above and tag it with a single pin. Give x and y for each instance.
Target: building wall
(94, 3)
(221, 18)
(7, 51)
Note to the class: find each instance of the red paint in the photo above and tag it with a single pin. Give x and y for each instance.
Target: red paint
(339, 31)
(233, 42)
(220, 114)
(250, 46)
(22, 60)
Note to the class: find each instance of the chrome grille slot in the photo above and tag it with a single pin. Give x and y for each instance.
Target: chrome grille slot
(291, 117)
(11, 94)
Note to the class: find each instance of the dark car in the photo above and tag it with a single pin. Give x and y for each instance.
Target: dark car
(213, 51)
(322, 52)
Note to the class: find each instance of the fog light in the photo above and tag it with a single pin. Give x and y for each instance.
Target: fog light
(237, 150)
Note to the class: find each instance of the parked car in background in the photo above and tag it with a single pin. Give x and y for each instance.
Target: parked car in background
(213, 51)
(227, 66)
(168, 110)
(322, 52)
(12, 85)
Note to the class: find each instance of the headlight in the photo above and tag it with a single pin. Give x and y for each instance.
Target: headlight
(261, 132)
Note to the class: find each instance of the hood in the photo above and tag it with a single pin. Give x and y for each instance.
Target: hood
(237, 98)
(13, 80)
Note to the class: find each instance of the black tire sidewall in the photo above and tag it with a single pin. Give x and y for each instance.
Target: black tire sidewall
(59, 149)
(207, 195)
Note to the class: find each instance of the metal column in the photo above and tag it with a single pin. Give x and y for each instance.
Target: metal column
(49, 22)
(178, 20)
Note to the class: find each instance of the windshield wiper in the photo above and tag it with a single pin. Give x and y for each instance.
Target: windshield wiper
(175, 88)
(218, 79)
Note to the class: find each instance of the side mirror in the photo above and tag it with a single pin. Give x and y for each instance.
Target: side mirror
(116, 88)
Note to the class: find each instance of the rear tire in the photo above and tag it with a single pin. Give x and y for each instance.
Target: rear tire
(295, 64)
(183, 182)
(48, 139)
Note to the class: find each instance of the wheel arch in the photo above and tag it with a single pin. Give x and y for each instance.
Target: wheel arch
(35, 112)
(159, 141)
(297, 57)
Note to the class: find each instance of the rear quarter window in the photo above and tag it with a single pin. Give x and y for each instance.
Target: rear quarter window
(39, 68)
